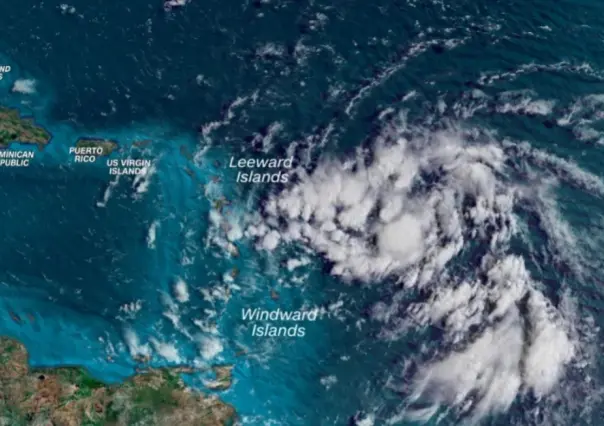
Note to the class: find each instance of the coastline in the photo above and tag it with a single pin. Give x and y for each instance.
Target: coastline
(109, 145)
(24, 120)
(70, 395)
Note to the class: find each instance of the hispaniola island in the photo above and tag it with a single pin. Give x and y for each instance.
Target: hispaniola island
(301, 213)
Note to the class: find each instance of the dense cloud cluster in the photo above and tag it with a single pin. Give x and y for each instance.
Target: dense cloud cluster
(407, 210)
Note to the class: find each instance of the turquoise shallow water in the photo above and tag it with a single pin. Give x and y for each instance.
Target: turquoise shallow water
(314, 80)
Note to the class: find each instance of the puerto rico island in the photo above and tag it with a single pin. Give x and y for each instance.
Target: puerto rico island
(69, 396)
(17, 129)
(107, 145)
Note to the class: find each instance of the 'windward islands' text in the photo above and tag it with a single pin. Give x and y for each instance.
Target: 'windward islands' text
(266, 328)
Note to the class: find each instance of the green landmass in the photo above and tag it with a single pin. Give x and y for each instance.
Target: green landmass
(108, 145)
(69, 396)
(14, 128)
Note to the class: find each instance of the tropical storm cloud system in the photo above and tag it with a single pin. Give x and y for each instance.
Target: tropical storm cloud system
(285, 213)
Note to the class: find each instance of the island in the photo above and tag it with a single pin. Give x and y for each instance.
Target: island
(107, 145)
(69, 396)
(142, 143)
(224, 377)
(17, 129)
(184, 151)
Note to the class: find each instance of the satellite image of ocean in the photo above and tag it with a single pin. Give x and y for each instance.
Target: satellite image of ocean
(301, 213)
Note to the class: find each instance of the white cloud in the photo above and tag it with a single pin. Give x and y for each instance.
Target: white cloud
(209, 347)
(166, 350)
(26, 86)
(420, 201)
(369, 222)
(152, 234)
(134, 346)
(181, 290)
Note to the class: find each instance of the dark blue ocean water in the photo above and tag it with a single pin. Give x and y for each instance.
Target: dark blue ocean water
(259, 78)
